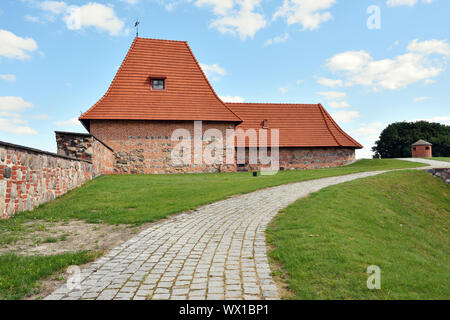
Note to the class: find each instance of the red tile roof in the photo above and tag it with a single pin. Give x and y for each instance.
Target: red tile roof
(188, 94)
(300, 125)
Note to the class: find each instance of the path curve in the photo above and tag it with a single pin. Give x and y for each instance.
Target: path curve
(215, 252)
(431, 163)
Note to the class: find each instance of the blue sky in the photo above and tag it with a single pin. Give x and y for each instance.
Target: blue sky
(370, 63)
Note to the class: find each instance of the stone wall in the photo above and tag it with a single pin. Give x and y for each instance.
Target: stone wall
(30, 177)
(306, 158)
(145, 147)
(443, 174)
(86, 147)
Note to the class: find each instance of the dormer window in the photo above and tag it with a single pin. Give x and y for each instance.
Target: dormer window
(158, 84)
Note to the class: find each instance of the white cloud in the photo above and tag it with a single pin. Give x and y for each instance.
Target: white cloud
(55, 7)
(345, 116)
(92, 14)
(95, 15)
(350, 61)
(13, 104)
(333, 95)
(335, 99)
(299, 82)
(283, 90)
(339, 104)
(277, 39)
(367, 135)
(40, 117)
(359, 67)
(12, 46)
(409, 3)
(73, 122)
(32, 19)
(309, 13)
(418, 99)
(8, 77)
(235, 16)
(131, 1)
(332, 83)
(213, 70)
(433, 46)
(12, 120)
(439, 119)
(235, 99)
(7, 125)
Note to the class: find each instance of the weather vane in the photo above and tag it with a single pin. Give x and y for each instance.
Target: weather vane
(136, 25)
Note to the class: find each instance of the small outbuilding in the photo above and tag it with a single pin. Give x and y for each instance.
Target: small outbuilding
(422, 149)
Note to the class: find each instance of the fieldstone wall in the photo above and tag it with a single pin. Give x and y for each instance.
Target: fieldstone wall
(306, 158)
(443, 174)
(30, 177)
(86, 147)
(145, 147)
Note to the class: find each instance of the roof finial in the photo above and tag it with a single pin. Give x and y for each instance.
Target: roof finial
(136, 25)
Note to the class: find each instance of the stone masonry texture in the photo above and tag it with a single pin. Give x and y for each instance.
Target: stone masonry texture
(145, 147)
(86, 147)
(30, 177)
(215, 252)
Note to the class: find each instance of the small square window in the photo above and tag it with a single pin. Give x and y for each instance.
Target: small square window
(427, 148)
(158, 84)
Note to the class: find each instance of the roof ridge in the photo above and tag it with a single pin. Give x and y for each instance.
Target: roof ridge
(339, 128)
(157, 39)
(114, 79)
(275, 103)
(207, 81)
(326, 123)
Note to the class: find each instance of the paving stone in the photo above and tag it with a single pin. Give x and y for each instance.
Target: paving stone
(210, 253)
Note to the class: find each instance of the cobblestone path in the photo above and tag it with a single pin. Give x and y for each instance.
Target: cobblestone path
(215, 252)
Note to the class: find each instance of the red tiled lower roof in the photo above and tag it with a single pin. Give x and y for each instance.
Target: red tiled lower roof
(300, 125)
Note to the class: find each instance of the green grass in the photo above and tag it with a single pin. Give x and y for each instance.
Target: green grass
(447, 159)
(137, 199)
(398, 221)
(20, 275)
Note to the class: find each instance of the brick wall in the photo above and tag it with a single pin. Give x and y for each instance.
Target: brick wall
(145, 147)
(29, 177)
(422, 152)
(86, 147)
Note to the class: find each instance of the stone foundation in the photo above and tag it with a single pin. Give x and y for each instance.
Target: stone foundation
(306, 158)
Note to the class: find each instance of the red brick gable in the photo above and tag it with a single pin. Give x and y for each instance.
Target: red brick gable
(300, 125)
(188, 94)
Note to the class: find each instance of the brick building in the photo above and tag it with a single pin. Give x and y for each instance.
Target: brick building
(421, 149)
(160, 87)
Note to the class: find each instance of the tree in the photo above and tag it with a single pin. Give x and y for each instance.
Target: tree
(396, 140)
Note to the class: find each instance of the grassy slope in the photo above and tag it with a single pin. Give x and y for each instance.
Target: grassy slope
(19, 276)
(146, 198)
(399, 222)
